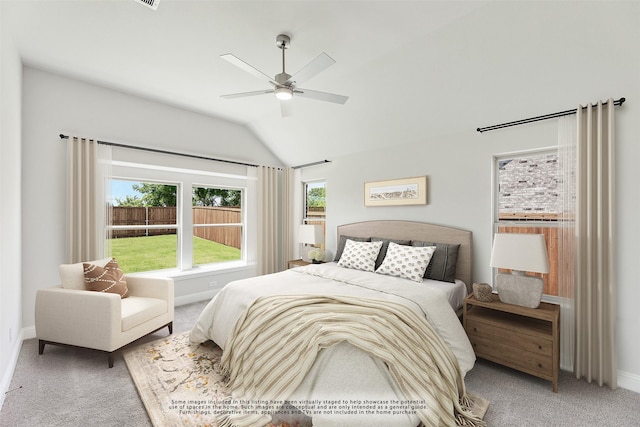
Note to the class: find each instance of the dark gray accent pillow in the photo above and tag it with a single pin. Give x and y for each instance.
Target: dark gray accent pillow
(385, 246)
(443, 262)
(343, 241)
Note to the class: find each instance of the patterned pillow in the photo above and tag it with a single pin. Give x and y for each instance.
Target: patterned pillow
(343, 241)
(106, 279)
(443, 263)
(360, 255)
(385, 246)
(408, 262)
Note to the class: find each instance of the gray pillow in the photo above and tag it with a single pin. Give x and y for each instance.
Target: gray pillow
(443, 262)
(343, 241)
(385, 246)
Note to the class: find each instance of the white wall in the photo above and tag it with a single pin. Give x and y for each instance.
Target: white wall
(563, 53)
(10, 196)
(54, 104)
(459, 174)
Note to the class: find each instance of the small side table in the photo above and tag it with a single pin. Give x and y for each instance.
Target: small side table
(526, 339)
(297, 263)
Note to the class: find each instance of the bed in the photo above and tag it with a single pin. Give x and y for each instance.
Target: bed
(354, 305)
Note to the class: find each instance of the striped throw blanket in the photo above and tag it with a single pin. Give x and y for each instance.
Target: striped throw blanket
(275, 342)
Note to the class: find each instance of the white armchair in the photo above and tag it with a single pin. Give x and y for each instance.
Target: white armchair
(103, 321)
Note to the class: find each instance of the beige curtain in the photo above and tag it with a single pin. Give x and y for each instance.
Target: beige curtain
(595, 290)
(88, 165)
(274, 218)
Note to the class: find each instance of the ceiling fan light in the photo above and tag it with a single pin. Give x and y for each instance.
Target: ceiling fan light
(283, 93)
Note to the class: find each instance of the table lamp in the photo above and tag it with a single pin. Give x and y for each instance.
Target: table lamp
(309, 235)
(520, 253)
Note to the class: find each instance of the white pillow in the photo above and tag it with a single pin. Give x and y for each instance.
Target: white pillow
(72, 275)
(360, 255)
(409, 262)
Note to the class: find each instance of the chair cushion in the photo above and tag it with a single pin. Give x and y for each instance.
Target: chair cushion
(138, 310)
(72, 275)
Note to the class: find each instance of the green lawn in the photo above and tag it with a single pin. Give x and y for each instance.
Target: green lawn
(157, 252)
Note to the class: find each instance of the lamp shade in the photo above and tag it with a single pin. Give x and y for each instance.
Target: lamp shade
(520, 252)
(310, 234)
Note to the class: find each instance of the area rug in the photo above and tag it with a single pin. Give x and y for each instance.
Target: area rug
(181, 384)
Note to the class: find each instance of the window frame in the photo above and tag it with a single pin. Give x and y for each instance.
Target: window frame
(496, 222)
(306, 219)
(189, 178)
(241, 224)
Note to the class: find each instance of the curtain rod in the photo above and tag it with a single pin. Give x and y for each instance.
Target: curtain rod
(194, 156)
(174, 153)
(538, 118)
(312, 164)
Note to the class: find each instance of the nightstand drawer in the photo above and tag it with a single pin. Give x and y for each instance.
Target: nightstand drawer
(510, 337)
(515, 357)
(523, 338)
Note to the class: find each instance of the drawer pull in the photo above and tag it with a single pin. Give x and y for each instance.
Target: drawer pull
(475, 330)
(539, 365)
(539, 347)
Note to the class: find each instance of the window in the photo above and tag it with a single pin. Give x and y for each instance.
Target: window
(179, 215)
(315, 204)
(144, 225)
(217, 225)
(527, 199)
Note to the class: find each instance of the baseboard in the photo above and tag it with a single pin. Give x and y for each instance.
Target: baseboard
(29, 332)
(200, 296)
(629, 381)
(11, 367)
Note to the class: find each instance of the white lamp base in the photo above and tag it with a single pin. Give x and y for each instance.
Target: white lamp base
(518, 289)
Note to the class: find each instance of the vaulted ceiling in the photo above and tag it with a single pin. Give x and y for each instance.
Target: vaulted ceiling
(413, 70)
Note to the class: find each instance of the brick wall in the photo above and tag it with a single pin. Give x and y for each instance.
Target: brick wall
(529, 185)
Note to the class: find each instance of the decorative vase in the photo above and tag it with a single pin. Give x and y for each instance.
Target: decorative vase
(483, 292)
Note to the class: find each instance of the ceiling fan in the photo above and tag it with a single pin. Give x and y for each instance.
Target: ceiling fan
(285, 85)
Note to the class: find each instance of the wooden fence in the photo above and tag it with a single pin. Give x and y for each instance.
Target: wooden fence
(229, 236)
(142, 216)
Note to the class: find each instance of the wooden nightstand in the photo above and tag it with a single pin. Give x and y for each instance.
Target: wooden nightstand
(522, 338)
(297, 263)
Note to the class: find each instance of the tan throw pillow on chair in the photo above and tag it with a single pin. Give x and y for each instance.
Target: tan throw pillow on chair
(109, 278)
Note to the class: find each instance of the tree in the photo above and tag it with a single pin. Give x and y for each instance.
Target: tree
(316, 197)
(216, 197)
(157, 194)
(166, 195)
(129, 201)
(152, 195)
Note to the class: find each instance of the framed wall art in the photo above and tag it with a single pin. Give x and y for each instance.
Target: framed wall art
(396, 192)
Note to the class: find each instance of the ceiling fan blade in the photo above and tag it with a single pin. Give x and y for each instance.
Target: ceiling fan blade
(248, 68)
(320, 63)
(286, 108)
(243, 94)
(321, 96)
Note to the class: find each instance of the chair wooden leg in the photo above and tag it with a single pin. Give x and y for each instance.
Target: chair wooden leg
(110, 358)
(40, 346)
(170, 325)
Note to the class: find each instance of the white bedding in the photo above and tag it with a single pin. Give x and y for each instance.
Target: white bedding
(342, 371)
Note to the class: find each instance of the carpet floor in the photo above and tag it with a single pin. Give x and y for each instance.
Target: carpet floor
(73, 387)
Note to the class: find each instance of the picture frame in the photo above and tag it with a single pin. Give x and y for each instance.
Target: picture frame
(396, 192)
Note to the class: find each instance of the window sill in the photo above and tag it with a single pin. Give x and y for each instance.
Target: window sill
(199, 271)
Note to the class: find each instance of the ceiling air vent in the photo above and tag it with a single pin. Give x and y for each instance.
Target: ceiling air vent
(153, 4)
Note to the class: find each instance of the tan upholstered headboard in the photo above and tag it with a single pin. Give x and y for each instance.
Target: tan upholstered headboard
(411, 230)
